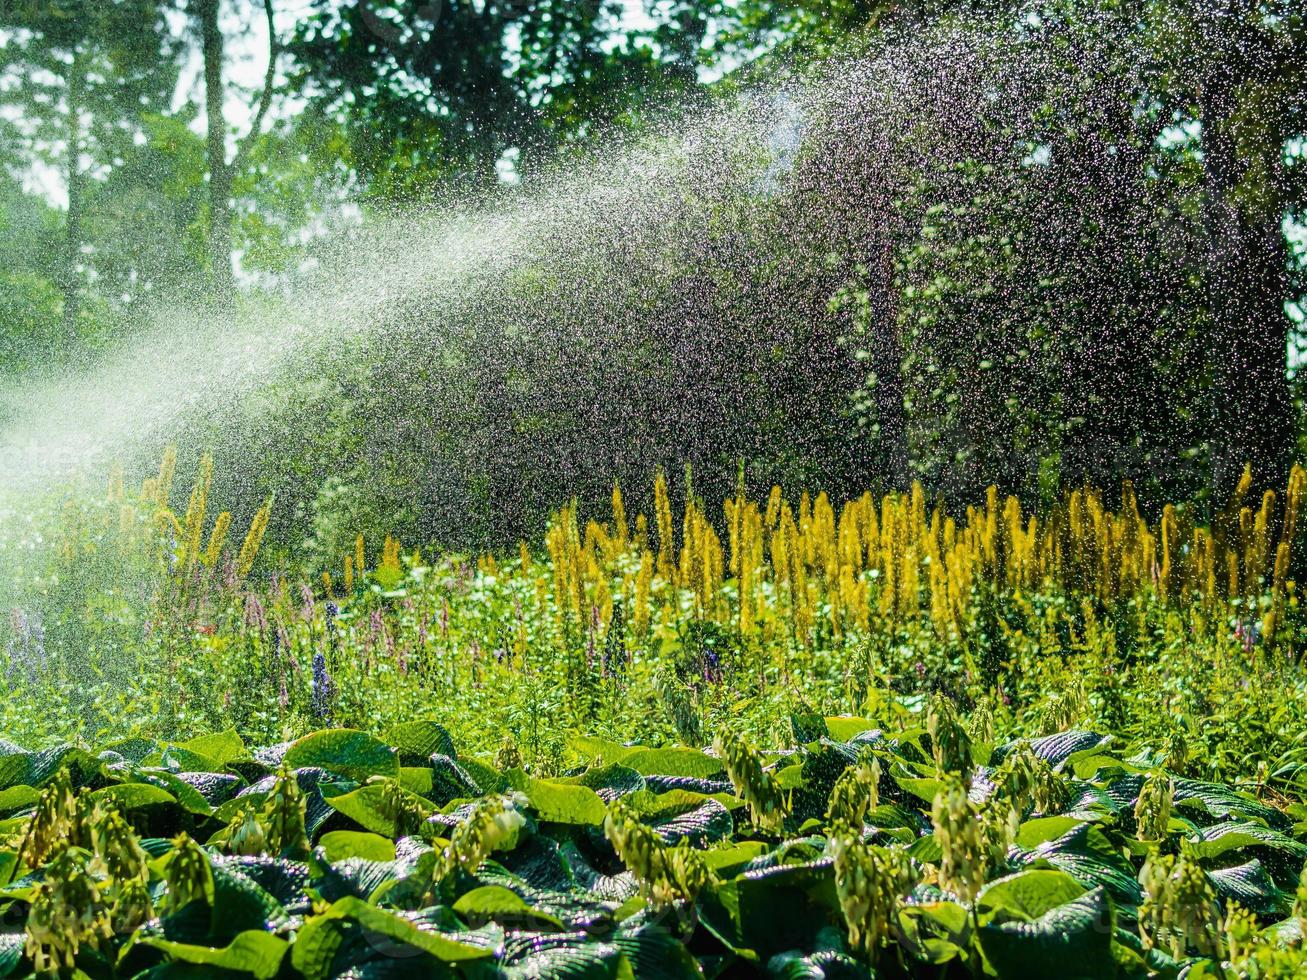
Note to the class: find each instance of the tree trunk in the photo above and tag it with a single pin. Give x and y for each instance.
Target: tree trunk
(221, 279)
(69, 279)
(1247, 280)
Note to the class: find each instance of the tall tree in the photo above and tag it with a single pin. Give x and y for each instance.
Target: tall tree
(1243, 66)
(221, 169)
(433, 93)
(85, 71)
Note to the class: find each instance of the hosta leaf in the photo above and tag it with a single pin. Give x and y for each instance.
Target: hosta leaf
(11, 952)
(600, 751)
(18, 798)
(487, 779)
(672, 762)
(340, 844)
(1072, 940)
(664, 784)
(808, 727)
(618, 887)
(924, 789)
(1224, 802)
(182, 791)
(134, 796)
(570, 958)
(369, 807)
(565, 803)
(318, 940)
(1027, 895)
(1085, 853)
(611, 781)
(681, 817)
(222, 748)
(240, 904)
(827, 964)
(498, 904)
(417, 741)
(354, 876)
(1250, 886)
(844, 729)
(350, 753)
(216, 788)
(449, 781)
(540, 863)
(1040, 830)
(174, 758)
(655, 954)
(1055, 749)
(417, 779)
(1216, 840)
(256, 953)
(760, 914)
(284, 880)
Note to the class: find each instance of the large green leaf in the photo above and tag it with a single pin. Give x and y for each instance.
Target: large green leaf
(1027, 895)
(1231, 835)
(316, 945)
(134, 796)
(340, 844)
(350, 753)
(420, 740)
(253, 952)
(681, 817)
(567, 803)
(672, 762)
(498, 904)
(1250, 886)
(222, 747)
(1072, 940)
(371, 808)
(569, 958)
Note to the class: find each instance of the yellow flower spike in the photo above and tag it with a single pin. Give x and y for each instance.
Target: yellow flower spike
(193, 523)
(253, 539)
(663, 515)
(217, 539)
(620, 529)
(163, 484)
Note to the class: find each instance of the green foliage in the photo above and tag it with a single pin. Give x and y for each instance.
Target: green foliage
(529, 883)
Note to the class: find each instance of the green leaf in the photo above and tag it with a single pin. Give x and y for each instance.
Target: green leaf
(842, 729)
(499, 904)
(317, 942)
(421, 739)
(556, 802)
(1027, 895)
(18, 798)
(1216, 840)
(1032, 833)
(416, 779)
(134, 796)
(1250, 886)
(187, 795)
(257, 953)
(367, 807)
(672, 762)
(222, 747)
(1072, 940)
(350, 753)
(341, 844)
(923, 789)
(683, 817)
